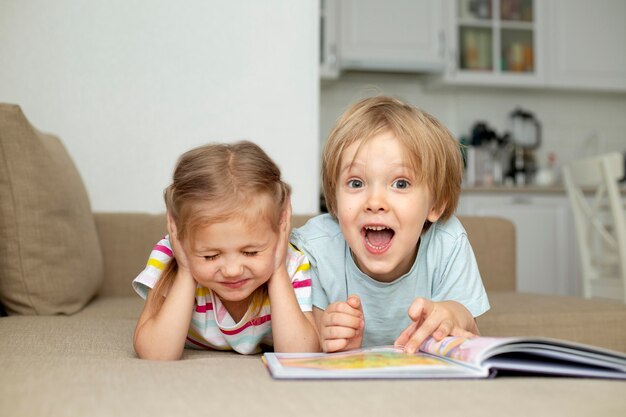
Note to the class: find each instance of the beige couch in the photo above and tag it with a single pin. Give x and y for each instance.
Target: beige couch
(69, 353)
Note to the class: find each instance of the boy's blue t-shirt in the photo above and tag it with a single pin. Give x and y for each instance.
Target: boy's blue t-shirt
(445, 269)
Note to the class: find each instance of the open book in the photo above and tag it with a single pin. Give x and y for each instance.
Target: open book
(455, 357)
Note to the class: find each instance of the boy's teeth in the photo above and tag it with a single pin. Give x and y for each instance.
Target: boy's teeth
(375, 228)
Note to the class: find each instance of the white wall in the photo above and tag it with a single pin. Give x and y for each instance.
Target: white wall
(575, 123)
(129, 85)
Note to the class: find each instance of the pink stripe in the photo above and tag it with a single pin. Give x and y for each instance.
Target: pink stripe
(204, 308)
(300, 284)
(198, 343)
(254, 322)
(165, 250)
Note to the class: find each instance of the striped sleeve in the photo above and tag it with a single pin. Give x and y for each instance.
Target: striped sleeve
(299, 270)
(160, 256)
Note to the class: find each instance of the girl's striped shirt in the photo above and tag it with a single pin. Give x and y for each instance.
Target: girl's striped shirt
(211, 326)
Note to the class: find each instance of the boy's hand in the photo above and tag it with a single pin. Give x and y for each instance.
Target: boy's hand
(436, 319)
(342, 324)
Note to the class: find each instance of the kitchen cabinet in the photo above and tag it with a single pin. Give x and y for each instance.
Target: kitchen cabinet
(587, 43)
(329, 59)
(495, 42)
(373, 35)
(546, 250)
(561, 44)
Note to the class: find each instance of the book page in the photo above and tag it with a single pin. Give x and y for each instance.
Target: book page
(366, 359)
(376, 362)
(463, 349)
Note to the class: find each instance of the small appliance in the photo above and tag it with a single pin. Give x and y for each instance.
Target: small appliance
(525, 135)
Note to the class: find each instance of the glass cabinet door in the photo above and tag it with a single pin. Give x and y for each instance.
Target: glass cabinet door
(496, 37)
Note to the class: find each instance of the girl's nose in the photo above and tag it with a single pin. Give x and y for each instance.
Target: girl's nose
(232, 268)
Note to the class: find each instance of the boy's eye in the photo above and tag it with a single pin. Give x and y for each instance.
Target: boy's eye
(251, 253)
(400, 184)
(355, 184)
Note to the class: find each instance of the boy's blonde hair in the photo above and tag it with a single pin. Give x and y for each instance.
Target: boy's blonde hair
(231, 178)
(430, 148)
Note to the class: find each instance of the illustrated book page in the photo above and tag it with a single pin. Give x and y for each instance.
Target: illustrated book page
(455, 357)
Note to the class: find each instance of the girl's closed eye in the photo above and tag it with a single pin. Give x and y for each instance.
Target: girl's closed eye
(210, 257)
(250, 253)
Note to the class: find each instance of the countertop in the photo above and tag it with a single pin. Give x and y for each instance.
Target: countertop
(526, 189)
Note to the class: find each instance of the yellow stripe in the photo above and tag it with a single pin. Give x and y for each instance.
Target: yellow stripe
(157, 264)
(303, 267)
(200, 292)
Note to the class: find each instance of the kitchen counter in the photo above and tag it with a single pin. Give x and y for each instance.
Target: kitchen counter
(553, 189)
(526, 189)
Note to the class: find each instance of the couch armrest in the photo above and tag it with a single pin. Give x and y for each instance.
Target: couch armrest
(126, 240)
(493, 242)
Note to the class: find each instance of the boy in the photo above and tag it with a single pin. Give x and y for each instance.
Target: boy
(390, 263)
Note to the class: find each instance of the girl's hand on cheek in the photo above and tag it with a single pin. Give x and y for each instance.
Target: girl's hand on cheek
(177, 247)
(283, 236)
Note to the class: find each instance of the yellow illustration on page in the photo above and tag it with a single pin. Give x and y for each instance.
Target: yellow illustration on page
(363, 360)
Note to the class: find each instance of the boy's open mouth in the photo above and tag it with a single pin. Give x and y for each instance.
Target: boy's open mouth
(377, 238)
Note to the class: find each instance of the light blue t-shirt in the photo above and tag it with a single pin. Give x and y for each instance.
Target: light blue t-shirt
(445, 269)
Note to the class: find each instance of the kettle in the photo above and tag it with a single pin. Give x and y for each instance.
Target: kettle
(525, 129)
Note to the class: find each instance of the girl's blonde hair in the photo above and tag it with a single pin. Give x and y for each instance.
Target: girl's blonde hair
(430, 148)
(228, 179)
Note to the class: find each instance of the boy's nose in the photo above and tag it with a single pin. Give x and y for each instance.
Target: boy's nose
(376, 200)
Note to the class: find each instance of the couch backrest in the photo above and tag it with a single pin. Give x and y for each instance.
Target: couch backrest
(493, 242)
(127, 238)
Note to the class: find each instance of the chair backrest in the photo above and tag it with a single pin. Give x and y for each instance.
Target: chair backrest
(592, 187)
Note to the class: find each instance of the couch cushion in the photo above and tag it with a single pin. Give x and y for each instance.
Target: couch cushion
(595, 322)
(84, 365)
(50, 258)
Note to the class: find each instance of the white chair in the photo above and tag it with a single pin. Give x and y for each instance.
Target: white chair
(592, 187)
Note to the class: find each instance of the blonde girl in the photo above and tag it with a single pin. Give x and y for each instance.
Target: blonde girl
(210, 282)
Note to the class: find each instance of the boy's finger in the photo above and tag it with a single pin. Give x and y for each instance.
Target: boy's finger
(339, 332)
(422, 333)
(443, 330)
(342, 319)
(419, 307)
(345, 308)
(334, 345)
(405, 335)
(354, 301)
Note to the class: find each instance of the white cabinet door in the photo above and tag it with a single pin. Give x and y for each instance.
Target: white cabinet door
(395, 35)
(587, 44)
(546, 252)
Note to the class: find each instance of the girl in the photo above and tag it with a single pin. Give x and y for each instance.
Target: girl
(209, 283)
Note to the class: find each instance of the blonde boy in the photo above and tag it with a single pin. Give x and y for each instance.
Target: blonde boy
(390, 263)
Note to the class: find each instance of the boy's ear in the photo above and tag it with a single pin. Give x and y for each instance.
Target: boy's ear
(435, 213)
